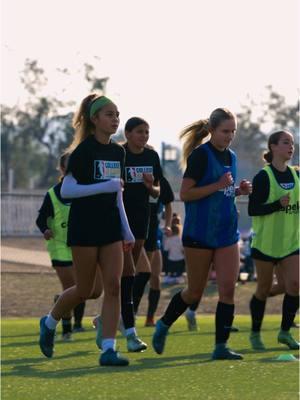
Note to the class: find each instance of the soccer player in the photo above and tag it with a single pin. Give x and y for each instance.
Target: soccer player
(210, 231)
(98, 228)
(53, 224)
(149, 264)
(274, 207)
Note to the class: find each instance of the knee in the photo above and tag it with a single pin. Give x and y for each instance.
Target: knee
(191, 296)
(128, 270)
(83, 295)
(263, 291)
(292, 287)
(155, 282)
(95, 293)
(226, 294)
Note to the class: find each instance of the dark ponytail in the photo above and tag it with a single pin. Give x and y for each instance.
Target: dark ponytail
(273, 139)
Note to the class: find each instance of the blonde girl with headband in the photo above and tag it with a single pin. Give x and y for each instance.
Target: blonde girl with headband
(274, 208)
(210, 233)
(98, 228)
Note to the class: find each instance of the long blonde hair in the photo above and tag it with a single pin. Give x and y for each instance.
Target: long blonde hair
(193, 135)
(82, 123)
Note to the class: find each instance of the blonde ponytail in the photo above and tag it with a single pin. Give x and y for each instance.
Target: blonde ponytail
(192, 136)
(82, 123)
(195, 133)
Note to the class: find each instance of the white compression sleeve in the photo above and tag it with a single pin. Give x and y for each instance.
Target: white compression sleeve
(70, 189)
(126, 231)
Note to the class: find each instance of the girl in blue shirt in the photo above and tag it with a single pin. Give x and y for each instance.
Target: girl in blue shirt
(210, 233)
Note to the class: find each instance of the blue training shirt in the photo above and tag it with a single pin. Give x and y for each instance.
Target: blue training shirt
(212, 222)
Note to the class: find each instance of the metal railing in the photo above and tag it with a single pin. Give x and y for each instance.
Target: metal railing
(19, 212)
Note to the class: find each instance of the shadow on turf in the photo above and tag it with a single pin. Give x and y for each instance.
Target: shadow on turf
(40, 359)
(76, 338)
(26, 370)
(37, 333)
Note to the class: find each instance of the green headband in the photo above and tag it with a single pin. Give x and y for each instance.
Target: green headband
(97, 104)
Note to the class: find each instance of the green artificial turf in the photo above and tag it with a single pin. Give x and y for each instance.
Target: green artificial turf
(183, 371)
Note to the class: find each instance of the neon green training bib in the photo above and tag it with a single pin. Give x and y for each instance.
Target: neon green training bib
(57, 246)
(277, 234)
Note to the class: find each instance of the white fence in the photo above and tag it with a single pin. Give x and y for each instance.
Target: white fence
(19, 212)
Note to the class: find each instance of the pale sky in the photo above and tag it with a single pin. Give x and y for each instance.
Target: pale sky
(169, 61)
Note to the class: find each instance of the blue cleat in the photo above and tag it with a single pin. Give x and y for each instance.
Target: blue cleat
(46, 338)
(78, 329)
(285, 337)
(159, 337)
(222, 352)
(112, 358)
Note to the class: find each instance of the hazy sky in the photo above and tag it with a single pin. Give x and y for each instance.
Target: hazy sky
(169, 61)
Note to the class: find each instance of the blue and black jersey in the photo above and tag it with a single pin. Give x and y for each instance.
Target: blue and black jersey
(211, 222)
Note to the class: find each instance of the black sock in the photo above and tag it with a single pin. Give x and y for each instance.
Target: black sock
(126, 301)
(175, 308)
(66, 325)
(290, 307)
(153, 299)
(78, 314)
(194, 306)
(257, 309)
(224, 319)
(140, 281)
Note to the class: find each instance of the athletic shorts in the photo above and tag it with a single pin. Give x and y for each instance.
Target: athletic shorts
(139, 222)
(189, 242)
(59, 263)
(152, 242)
(99, 231)
(258, 255)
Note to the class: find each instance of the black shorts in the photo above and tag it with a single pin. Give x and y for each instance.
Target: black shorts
(99, 231)
(152, 242)
(189, 242)
(258, 255)
(177, 267)
(59, 263)
(139, 222)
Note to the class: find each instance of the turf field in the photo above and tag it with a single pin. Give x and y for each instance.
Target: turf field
(184, 371)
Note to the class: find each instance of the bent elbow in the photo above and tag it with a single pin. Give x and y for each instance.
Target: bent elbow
(65, 193)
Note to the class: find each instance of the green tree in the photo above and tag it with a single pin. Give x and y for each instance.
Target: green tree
(256, 122)
(36, 133)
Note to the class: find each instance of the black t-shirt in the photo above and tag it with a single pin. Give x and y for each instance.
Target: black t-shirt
(166, 196)
(47, 209)
(93, 162)
(135, 194)
(197, 161)
(261, 189)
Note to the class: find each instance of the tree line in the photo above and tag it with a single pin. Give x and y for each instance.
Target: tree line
(35, 134)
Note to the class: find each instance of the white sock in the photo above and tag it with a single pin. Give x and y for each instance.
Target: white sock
(190, 313)
(51, 323)
(130, 331)
(108, 344)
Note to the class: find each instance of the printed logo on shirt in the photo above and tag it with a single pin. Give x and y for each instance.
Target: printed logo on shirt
(106, 169)
(152, 200)
(135, 174)
(287, 186)
(291, 208)
(229, 191)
